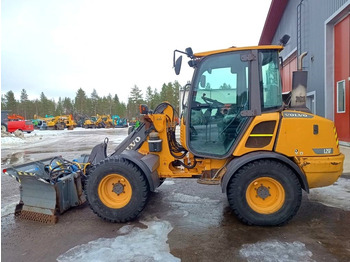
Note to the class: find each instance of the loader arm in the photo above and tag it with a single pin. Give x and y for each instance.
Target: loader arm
(133, 141)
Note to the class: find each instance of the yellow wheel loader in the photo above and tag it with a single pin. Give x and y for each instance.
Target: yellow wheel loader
(235, 131)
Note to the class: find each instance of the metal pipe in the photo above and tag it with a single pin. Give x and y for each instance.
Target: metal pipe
(300, 61)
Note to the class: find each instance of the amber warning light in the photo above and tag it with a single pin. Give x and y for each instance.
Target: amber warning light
(143, 109)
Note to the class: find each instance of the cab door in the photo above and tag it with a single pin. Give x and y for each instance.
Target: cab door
(220, 92)
(228, 90)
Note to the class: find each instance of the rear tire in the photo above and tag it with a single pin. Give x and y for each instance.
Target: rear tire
(264, 193)
(117, 190)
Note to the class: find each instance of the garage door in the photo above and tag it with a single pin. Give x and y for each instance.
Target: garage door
(342, 78)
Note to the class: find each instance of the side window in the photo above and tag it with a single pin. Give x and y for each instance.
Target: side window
(271, 81)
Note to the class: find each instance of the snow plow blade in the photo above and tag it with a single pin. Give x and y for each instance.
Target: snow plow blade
(48, 188)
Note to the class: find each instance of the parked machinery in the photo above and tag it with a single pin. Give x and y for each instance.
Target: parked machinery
(15, 117)
(90, 122)
(107, 121)
(119, 122)
(69, 122)
(99, 121)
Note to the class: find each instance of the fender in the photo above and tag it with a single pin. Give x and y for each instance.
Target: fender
(238, 162)
(147, 163)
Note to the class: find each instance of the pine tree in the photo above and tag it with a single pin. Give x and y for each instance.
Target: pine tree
(80, 103)
(11, 103)
(24, 103)
(94, 100)
(68, 107)
(149, 96)
(135, 99)
(59, 107)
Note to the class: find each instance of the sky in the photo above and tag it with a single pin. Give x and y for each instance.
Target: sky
(59, 46)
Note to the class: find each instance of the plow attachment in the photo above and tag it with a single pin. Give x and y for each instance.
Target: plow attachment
(48, 188)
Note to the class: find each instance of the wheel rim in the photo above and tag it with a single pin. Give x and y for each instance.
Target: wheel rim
(114, 191)
(265, 195)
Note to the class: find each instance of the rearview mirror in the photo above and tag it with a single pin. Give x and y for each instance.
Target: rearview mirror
(178, 65)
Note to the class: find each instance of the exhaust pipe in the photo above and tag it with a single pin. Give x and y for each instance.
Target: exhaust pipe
(299, 86)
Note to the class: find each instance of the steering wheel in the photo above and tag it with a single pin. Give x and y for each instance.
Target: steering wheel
(212, 102)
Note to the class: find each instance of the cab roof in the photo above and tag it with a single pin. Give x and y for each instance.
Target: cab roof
(231, 49)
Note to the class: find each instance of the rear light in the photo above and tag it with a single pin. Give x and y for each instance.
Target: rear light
(4, 170)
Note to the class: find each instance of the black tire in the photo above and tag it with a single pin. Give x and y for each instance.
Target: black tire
(3, 128)
(101, 202)
(281, 190)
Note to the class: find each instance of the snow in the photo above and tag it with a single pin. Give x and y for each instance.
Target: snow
(132, 244)
(12, 140)
(336, 195)
(39, 134)
(36, 135)
(276, 251)
(168, 182)
(8, 209)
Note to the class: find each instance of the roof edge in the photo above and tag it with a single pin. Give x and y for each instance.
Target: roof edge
(261, 47)
(273, 18)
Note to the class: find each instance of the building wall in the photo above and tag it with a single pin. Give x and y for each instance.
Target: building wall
(314, 13)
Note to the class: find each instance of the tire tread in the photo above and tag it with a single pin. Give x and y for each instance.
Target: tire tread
(246, 169)
(144, 190)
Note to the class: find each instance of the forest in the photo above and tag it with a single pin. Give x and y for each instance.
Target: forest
(84, 105)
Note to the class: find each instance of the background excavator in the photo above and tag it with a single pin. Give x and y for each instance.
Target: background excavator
(235, 130)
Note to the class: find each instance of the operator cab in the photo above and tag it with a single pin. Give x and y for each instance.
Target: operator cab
(229, 87)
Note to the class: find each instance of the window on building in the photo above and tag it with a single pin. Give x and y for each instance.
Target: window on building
(341, 96)
(311, 101)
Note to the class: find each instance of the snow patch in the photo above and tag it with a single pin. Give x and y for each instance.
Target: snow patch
(10, 140)
(136, 245)
(168, 182)
(336, 195)
(8, 209)
(276, 251)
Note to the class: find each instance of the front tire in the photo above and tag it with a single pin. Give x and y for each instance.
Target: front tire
(264, 193)
(117, 190)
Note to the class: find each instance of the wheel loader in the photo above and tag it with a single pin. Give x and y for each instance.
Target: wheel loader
(236, 130)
